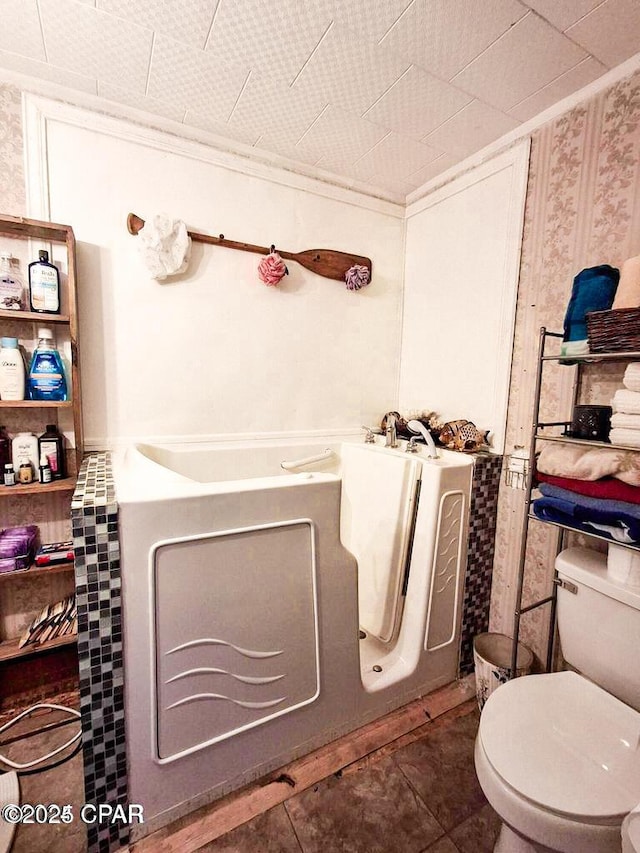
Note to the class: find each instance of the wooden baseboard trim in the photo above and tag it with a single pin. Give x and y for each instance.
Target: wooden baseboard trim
(210, 822)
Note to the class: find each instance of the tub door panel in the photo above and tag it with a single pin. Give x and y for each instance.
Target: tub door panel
(376, 511)
(235, 634)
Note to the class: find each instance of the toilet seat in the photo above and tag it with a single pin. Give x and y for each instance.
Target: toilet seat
(564, 745)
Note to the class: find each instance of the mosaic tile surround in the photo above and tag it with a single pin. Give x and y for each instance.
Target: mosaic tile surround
(94, 517)
(482, 534)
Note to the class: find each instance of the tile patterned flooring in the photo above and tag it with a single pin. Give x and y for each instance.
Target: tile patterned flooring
(421, 797)
(61, 785)
(416, 795)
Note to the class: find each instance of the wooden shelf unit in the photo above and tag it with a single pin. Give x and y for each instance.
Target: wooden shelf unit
(21, 228)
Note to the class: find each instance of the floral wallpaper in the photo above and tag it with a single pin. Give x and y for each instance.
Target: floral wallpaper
(582, 209)
(12, 191)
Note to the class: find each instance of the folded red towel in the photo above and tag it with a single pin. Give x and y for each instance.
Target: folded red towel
(608, 488)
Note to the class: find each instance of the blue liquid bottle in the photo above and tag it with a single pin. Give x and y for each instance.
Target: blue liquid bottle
(46, 374)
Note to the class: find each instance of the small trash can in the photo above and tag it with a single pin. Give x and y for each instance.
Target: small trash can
(492, 659)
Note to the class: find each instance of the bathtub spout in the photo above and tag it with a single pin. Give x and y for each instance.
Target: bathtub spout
(390, 431)
(417, 427)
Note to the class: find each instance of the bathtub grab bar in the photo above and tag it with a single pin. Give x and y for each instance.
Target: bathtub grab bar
(307, 460)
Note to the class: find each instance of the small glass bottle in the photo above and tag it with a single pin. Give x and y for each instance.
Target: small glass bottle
(45, 469)
(9, 475)
(25, 473)
(5, 448)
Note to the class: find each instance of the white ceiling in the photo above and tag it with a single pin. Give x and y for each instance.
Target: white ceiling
(386, 93)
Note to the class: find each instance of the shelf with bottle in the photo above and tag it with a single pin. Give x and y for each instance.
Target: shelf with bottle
(33, 316)
(66, 485)
(36, 404)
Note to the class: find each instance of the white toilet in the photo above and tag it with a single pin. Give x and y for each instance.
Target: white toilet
(558, 755)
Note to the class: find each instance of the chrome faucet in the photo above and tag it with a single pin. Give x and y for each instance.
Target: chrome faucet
(417, 427)
(390, 431)
(371, 432)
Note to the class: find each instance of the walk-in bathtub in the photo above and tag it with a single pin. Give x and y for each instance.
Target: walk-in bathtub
(270, 609)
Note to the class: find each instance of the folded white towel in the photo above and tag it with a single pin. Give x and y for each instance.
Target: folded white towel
(631, 379)
(622, 421)
(626, 401)
(589, 463)
(625, 436)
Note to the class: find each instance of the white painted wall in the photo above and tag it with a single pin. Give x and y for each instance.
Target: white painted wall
(461, 275)
(217, 352)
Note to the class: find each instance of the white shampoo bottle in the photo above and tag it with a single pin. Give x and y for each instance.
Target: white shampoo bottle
(12, 371)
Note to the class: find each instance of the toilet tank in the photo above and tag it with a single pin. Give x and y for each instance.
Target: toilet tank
(599, 623)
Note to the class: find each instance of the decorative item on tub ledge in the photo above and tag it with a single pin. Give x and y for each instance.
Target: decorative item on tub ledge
(325, 262)
(272, 269)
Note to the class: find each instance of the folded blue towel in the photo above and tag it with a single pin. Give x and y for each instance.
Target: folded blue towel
(545, 512)
(582, 511)
(593, 289)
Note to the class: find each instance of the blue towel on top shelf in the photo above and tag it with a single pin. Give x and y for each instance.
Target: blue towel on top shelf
(618, 520)
(593, 289)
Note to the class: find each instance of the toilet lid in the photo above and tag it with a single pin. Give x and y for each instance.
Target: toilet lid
(565, 744)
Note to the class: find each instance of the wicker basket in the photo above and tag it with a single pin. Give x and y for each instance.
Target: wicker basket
(614, 331)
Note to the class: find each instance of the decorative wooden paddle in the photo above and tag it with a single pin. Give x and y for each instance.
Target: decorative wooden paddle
(326, 262)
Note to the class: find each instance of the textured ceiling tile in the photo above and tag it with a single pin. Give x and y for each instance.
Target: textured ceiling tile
(611, 32)
(403, 109)
(349, 72)
(369, 18)
(286, 150)
(527, 57)
(359, 171)
(140, 102)
(271, 109)
(20, 30)
(194, 80)
(562, 14)
(398, 156)
(273, 38)
(339, 134)
(220, 128)
(582, 74)
(475, 126)
(396, 186)
(185, 20)
(424, 33)
(44, 71)
(431, 170)
(90, 42)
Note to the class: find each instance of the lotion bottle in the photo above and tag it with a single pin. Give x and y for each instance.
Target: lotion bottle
(25, 451)
(12, 372)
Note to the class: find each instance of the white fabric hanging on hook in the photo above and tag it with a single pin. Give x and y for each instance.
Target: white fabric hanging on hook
(165, 246)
